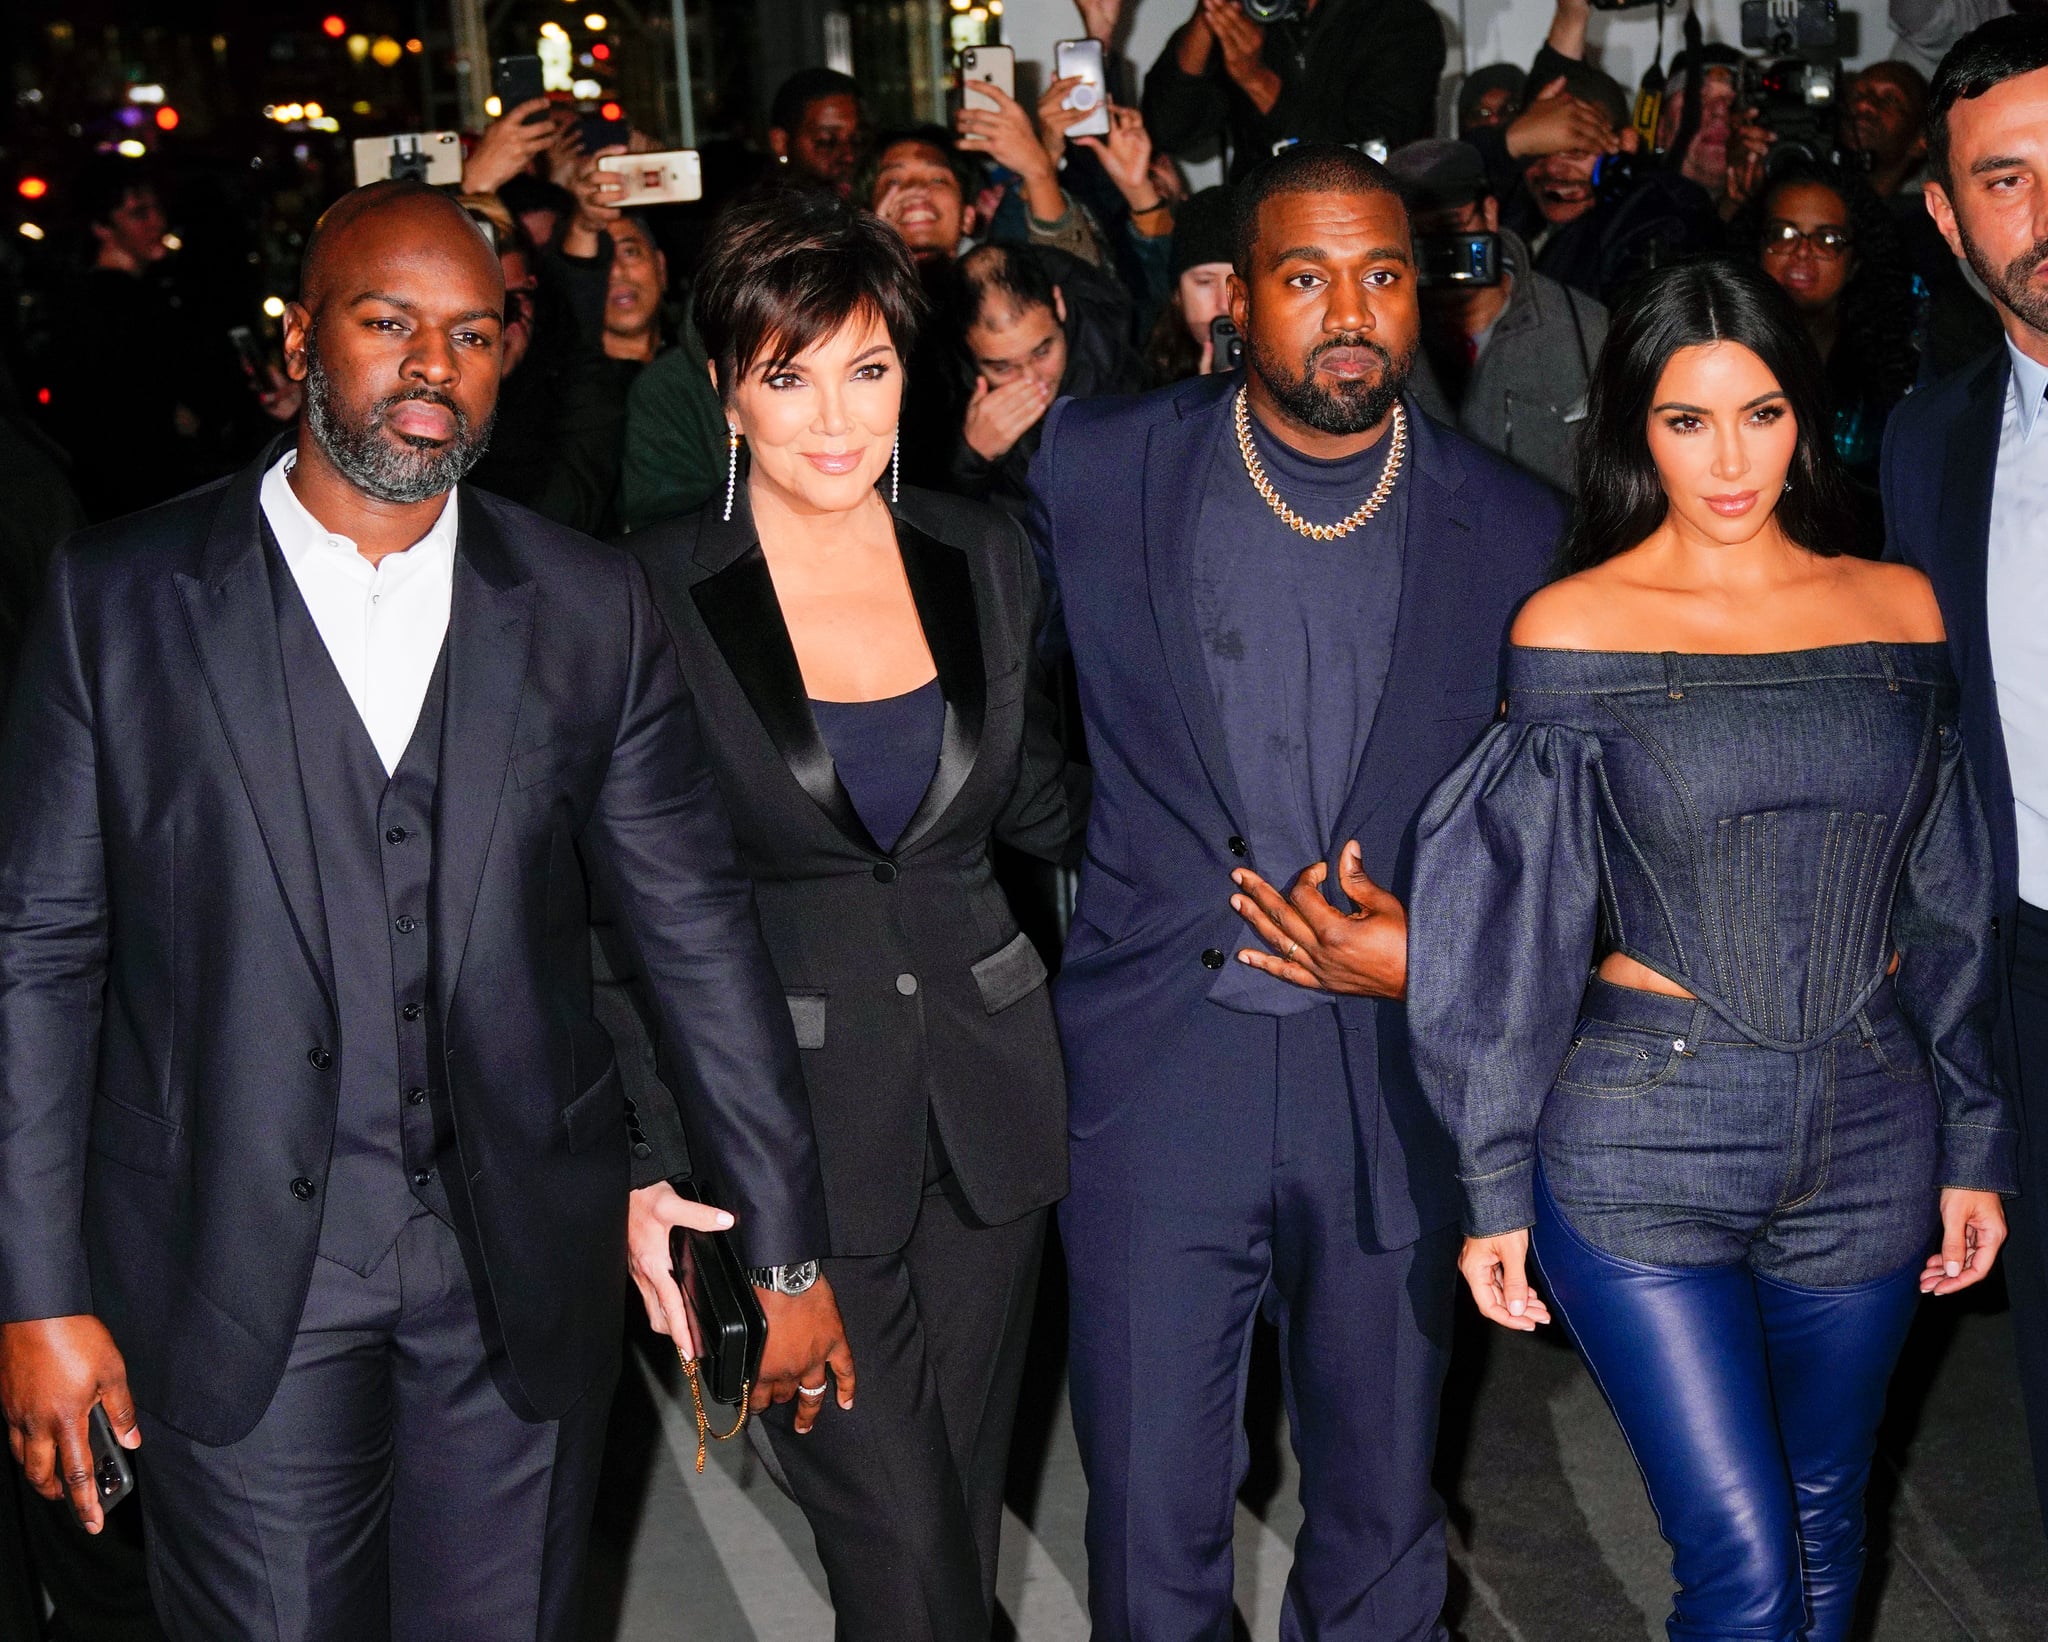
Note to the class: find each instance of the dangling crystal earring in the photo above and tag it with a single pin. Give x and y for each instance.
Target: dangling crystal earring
(895, 467)
(732, 463)
(1788, 484)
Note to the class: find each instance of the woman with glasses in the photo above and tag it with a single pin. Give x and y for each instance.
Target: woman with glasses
(1832, 247)
(1769, 1122)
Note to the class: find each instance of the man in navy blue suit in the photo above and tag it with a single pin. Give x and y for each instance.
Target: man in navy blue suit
(1965, 489)
(1285, 593)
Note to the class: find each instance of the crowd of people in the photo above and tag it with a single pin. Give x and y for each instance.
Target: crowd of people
(1370, 574)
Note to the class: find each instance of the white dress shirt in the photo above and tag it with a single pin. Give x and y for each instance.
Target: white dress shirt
(383, 624)
(2016, 594)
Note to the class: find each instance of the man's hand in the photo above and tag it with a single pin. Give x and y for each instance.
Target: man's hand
(1568, 28)
(1126, 155)
(1242, 43)
(1099, 18)
(507, 148)
(1749, 150)
(1007, 136)
(51, 1373)
(1556, 122)
(1972, 1232)
(998, 417)
(1195, 43)
(597, 204)
(651, 1213)
(805, 1338)
(1364, 953)
(1496, 1270)
(1054, 117)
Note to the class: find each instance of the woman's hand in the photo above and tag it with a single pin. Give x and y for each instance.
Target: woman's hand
(1496, 1269)
(506, 148)
(1972, 1231)
(1314, 945)
(651, 1213)
(1126, 154)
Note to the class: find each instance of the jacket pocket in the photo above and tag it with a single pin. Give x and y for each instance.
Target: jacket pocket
(135, 1139)
(807, 1015)
(1010, 973)
(1616, 1062)
(598, 1112)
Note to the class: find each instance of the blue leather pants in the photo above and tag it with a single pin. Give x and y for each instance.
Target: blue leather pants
(1752, 1408)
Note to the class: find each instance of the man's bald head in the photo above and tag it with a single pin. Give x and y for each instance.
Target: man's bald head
(367, 225)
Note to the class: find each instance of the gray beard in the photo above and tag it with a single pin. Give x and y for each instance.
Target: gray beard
(414, 470)
(1351, 408)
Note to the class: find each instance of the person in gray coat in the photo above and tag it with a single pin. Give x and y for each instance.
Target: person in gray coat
(1509, 358)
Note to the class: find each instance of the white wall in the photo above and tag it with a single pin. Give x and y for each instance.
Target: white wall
(1478, 31)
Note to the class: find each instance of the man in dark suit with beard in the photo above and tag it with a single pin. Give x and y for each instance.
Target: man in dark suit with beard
(314, 1165)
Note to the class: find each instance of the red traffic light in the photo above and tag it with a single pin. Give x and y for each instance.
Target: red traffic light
(167, 118)
(333, 27)
(32, 188)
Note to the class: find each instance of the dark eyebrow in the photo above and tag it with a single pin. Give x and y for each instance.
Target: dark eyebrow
(879, 347)
(1701, 410)
(391, 301)
(1995, 162)
(478, 313)
(1315, 253)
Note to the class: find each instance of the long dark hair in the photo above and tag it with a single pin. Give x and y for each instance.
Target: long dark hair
(1621, 499)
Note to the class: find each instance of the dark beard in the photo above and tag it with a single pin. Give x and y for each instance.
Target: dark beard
(414, 470)
(2011, 283)
(1342, 408)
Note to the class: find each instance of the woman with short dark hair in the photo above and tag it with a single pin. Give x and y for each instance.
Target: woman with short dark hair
(1727, 781)
(862, 657)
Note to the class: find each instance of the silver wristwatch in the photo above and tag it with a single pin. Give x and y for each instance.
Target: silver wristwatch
(784, 1279)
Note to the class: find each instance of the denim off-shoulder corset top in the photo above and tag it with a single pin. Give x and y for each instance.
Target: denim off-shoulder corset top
(1765, 830)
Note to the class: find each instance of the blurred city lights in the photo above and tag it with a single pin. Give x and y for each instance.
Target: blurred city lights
(146, 94)
(32, 188)
(553, 30)
(612, 111)
(596, 22)
(386, 51)
(584, 90)
(173, 243)
(601, 52)
(314, 111)
(30, 230)
(333, 27)
(415, 46)
(167, 119)
(130, 149)
(358, 47)
(274, 306)
(494, 105)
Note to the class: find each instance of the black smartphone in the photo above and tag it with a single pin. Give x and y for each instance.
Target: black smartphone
(255, 362)
(1226, 344)
(113, 1474)
(519, 80)
(1457, 259)
(598, 132)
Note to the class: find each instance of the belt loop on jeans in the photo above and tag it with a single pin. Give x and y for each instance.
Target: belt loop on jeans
(1884, 660)
(1696, 1032)
(1672, 687)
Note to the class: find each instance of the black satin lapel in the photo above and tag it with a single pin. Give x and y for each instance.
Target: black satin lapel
(1179, 457)
(943, 587)
(490, 629)
(234, 629)
(744, 619)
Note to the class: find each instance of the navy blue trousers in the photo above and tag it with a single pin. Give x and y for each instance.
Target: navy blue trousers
(1752, 1407)
(1192, 1209)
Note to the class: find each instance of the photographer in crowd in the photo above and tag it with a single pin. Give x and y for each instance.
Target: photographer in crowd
(1511, 357)
(815, 128)
(1345, 71)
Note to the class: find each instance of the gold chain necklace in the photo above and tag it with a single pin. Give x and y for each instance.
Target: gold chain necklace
(1397, 448)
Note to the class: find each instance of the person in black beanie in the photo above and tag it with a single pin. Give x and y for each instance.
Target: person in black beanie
(1178, 344)
(1490, 96)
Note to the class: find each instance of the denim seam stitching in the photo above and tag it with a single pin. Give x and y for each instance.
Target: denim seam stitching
(1628, 838)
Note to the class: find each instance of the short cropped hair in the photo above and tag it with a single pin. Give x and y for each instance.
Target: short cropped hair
(1010, 274)
(1989, 55)
(1306, 168)
(785, 268)
(803, 88)
(964, 166)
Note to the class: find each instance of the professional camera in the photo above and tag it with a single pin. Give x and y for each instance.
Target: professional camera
(1796, 100)
(1784, 28)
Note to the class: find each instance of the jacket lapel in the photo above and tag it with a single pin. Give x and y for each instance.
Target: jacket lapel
(490, 629)
(1969, 472)
(233, 621)
(943, 587)
(1179, 456)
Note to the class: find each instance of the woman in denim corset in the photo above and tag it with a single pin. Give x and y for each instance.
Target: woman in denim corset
(1727, 781)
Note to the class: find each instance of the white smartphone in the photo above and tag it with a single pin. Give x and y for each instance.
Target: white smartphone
(1082, 60)
(987, 65)
(432, 156)
(667, 178)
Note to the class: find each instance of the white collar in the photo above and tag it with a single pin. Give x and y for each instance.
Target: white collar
(300, 535)
(2029, 387)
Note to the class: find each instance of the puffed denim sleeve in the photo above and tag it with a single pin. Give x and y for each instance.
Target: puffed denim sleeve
(1947, 979)
(1501, 923)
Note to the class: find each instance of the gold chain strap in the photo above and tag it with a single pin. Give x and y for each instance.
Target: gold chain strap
(1397, 448)
(704, 1430)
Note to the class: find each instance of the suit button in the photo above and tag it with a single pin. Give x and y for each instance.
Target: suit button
(405, 923)
(422, 1176)
(411, 1011)
(302, 1189)
(907, 985)
(885, 872)
(1212, 958)
(1239, 847)
(415, 1097)
(319, 1058)
(642, 1149)
(397, 835)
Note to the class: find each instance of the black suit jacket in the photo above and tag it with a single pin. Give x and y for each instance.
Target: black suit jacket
(910, 987)
(168, 1070)
(1940, 465)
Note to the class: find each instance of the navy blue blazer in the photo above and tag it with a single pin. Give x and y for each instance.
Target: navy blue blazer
(1940, 463)
(1116, 492)
(169, 1054)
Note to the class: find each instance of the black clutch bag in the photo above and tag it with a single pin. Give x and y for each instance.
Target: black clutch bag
(726, 1318)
